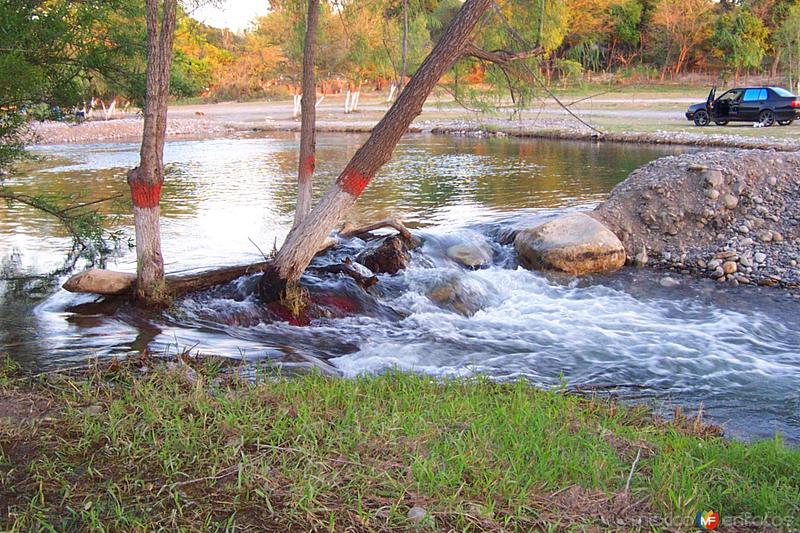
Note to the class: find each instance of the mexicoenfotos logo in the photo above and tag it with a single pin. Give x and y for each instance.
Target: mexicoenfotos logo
(707, 521)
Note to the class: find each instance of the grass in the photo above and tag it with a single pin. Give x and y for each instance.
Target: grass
(141, 446)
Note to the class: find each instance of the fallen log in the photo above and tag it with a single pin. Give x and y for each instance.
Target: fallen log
(111, 283)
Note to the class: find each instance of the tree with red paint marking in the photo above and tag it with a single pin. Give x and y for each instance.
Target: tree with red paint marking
(306, 238)
(145, 181)
(306, 162)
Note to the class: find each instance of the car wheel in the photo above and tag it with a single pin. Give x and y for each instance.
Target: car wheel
(785, 122)
(721, 122)
(767, 118)
(701, 118)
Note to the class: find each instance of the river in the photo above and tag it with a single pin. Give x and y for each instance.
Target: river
(735, 351)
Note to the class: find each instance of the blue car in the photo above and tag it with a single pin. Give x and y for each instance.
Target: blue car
(766, 105)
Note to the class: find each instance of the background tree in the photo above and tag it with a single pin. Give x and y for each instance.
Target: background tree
(739, 39)
(787, 43)
(683, 26)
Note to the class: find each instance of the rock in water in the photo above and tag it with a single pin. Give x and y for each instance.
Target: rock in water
(99, 281)
(577, 244)
(389, 257)
(471, 254)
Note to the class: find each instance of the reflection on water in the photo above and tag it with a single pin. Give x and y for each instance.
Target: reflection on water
(734, 350)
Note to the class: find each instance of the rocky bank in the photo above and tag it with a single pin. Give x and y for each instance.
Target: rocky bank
(733, 216)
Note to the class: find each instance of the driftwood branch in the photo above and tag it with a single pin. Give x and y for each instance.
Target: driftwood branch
(348, 231)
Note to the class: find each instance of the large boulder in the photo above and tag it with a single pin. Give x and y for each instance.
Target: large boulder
(576, 244)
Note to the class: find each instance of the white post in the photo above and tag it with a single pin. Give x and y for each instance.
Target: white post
(356, 96)
(296, 111)
(347, 102)
(321, 98)
(391, 92)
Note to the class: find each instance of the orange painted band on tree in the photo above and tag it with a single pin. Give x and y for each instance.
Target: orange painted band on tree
(309, 165)
(354, 182)
(145, 195)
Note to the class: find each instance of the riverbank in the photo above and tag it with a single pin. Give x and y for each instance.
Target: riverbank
(646, 117)
(143, 445)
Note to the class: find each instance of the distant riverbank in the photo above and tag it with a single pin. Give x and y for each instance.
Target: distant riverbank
(647, 118)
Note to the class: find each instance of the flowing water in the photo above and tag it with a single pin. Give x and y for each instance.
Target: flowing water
(735, 351)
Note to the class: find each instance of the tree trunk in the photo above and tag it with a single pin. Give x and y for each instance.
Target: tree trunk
(305, 239)
(145, 181)
(404, 59)
(305, 167)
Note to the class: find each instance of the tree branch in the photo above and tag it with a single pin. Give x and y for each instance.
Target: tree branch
(501, 57)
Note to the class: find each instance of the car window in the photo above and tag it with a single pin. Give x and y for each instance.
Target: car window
(780, 91)
(754, 95)
(730, 95)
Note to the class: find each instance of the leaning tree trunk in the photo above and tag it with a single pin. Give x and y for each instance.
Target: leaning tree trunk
(305, 239)
(305, 167)
(145, 181)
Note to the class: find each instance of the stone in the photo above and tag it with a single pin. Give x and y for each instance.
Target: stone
(641, 258)
(760, 257)
(730, 201)
(777, 237)
(729, 267)
(772, 181)
(713, 178)
(99, 281)
(714, 263)
(389, 257)
(701, 264)
(718, 272)
(746, 261)
(743, 229)
(576, 244)
(471, 254)
(765, 236)
(669, 282)
(712, 194)
(417, 514)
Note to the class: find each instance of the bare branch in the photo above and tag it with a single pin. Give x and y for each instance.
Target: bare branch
(501, 57)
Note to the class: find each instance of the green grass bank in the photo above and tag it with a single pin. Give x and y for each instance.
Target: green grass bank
(142, 446)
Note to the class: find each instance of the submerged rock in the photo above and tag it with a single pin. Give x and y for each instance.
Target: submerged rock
(390, 256)
(576, 244)
(453, 293)
(475, 254)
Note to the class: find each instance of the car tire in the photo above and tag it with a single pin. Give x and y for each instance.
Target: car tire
(721, 122)
(766, 118)
(701, 118)
(785, 122)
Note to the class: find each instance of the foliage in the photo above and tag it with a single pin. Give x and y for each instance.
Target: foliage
(740, 39)
(787, 42)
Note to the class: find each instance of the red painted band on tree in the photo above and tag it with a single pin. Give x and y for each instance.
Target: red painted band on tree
(309, 165)
(145, 195)
(354, 182)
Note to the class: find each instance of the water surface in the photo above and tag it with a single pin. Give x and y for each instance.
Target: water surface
(736, 351)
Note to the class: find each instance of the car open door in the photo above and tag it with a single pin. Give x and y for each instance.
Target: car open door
(712, 96)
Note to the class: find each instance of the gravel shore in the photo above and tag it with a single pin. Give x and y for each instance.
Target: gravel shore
(733, 216)
(121, 129)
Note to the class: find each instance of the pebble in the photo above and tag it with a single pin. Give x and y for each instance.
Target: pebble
(417, 514)
(730, 201)
(714, 263)
(765, 236)
(777, 237)
(718, 272)
(744, 229)
(712, 194)
(772, 181)
(714, 178)
(746, 261)
(729, 267)
(669, 282)
(760, 257)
